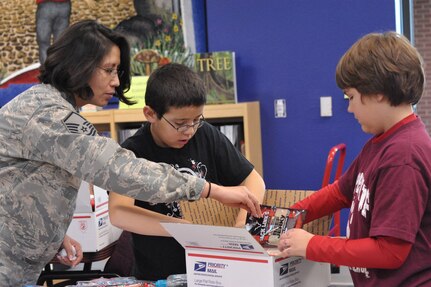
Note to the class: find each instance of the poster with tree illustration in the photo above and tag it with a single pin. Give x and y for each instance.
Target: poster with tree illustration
(155, 35)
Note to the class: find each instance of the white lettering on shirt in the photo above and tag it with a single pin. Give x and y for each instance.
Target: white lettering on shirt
(361, 270)
(361, 194)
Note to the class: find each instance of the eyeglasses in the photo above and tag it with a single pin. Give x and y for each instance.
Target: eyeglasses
(184, 128)
(112, 72)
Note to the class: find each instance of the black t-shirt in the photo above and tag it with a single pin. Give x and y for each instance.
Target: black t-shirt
(209, 155)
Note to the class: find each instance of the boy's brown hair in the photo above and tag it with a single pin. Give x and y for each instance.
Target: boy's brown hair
(383, 63)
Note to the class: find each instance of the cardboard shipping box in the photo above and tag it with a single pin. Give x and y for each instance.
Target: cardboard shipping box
(90, 225)
(229, 256)
(218, 254)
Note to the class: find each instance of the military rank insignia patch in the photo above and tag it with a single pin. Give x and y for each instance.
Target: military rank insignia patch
(76, 124)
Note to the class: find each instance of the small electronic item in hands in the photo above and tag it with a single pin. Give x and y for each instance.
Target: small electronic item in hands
(274, 222)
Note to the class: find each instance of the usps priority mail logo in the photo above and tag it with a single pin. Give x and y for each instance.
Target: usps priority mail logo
(102, 221)
(284, 269)
(200, 266)
(247, 246)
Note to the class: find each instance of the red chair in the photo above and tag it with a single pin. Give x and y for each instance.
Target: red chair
(335, 231)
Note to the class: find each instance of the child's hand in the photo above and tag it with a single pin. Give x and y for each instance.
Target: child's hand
(294, 243)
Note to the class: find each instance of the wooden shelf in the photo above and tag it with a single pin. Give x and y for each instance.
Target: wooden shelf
(129, 116)
(247, 113)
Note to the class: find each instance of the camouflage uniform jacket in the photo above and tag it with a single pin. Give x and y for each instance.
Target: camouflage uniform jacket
(46, 149)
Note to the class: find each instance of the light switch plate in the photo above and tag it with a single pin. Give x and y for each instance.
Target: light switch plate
(326, 106)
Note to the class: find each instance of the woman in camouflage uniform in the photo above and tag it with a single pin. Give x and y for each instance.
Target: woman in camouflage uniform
(47, 148)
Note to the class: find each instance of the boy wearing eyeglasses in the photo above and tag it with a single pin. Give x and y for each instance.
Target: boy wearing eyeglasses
(176, 134)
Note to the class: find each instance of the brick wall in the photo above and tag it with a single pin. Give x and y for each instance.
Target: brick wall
(422, 38)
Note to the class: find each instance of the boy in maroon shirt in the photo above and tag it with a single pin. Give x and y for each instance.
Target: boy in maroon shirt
(387, 187)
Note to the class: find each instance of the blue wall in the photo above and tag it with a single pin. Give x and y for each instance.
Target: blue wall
(7, 94)
(289, 49)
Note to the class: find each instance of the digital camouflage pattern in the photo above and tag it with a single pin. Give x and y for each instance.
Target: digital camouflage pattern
(46, 149)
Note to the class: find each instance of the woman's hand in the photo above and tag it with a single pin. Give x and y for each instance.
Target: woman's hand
(235, 196)
(73, 252)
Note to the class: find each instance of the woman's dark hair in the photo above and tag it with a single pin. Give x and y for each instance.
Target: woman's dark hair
(174, 86)
(72, 59)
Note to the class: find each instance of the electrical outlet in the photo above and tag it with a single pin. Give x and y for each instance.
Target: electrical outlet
(280, 108)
